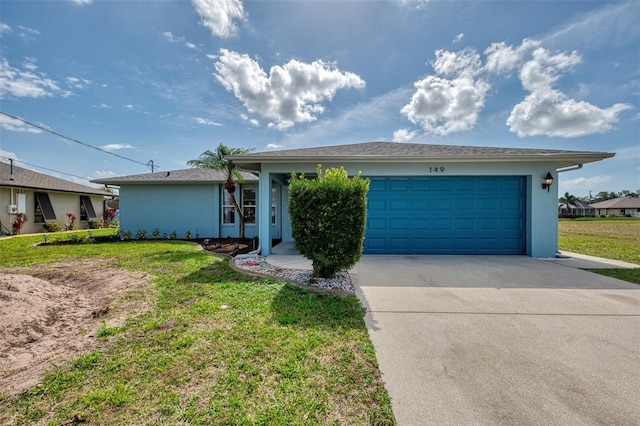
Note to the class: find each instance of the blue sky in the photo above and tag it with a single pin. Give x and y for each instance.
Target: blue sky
(167, 80)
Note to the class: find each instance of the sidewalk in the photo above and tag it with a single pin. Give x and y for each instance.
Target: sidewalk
(583, 261)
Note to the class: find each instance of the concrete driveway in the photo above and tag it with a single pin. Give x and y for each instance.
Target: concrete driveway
(502, 340)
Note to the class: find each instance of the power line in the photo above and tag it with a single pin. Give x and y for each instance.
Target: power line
(44, 168)
(148, 164)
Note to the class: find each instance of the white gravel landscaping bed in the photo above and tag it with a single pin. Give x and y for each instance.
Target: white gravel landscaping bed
(259, 264)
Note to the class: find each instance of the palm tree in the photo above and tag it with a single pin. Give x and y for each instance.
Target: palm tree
(216, 160)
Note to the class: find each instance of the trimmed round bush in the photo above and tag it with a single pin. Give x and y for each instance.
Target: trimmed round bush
(328, 218)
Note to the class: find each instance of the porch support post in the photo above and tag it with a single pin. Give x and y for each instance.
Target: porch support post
(264, 212)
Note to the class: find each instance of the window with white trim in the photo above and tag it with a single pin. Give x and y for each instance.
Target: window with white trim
(274, 205)
(249, 205)
(228, 210)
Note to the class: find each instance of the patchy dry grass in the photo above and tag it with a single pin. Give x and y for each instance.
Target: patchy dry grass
(611, 239)
(217, 347)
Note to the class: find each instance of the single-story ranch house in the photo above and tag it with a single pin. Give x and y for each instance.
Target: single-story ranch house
(622, 206)
(43, 198)
(423, 199)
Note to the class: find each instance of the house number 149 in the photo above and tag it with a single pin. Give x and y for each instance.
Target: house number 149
(436, 169)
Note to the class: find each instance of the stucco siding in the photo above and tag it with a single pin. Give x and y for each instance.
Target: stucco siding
(542, 221)
(171, 208)
(62, 203)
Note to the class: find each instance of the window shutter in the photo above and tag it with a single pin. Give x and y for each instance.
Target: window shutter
(42, 198)
(88, 207)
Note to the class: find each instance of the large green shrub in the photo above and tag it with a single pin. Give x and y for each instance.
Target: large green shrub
(328, 218)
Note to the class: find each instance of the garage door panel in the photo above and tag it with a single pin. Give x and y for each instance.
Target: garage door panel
(377, 223)
(441, 223)
(446, 215)
(399, 185)
(377, 204)
(399, 204)
(420, 204)
(398, 243)
(466, 224)
(420, 184)
(442, 204)
(419, 224)
(465, 203)
(398, 223)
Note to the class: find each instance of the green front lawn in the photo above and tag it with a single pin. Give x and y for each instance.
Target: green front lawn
(611, 238)
(217, 347)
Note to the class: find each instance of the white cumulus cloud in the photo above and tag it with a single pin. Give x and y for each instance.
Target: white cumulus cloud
(220, 16)
(444, 105)
(503, 58)
(81, 2)
(273, 146)
(172, 38)
(583, 183)
(548, 111)
(205, 121)
(26, 83)
(452, 64)
(77, 83)
(4, 28)
(289, 94)
(116, 146)
(11, 124)
(403, 135)
(102, 174)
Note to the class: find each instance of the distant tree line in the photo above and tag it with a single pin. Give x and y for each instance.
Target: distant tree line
(600, 196)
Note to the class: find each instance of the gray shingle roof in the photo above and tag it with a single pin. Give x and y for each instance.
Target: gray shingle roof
(618, 203)
(395, 151)
(25, 178)
(184, 176)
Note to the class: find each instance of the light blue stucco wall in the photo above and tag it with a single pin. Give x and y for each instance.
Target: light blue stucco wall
(171, 208)
(542, 221)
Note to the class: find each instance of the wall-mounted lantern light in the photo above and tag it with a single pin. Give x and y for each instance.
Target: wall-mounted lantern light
(547, 181)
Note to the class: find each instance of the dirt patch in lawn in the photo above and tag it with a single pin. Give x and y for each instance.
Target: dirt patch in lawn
(51, 313)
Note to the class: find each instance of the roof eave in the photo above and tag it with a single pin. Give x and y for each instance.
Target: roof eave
(164, 182)
(42, 188)
(562, 160)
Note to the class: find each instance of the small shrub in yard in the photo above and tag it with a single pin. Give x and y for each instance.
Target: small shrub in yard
(141, 234)
(156, 233)
(328, 218)
(52, 227)
(16, 226)
(173, 235)
(126, 235)
(75, 238)
(94, 224)
(73, 221)
(187, 235)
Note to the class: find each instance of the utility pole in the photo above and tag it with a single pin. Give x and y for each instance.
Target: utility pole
(150, 164)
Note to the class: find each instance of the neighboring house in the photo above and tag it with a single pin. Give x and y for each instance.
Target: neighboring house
(622, 206)
(576, 209)
(43, 198)
(423, 199)
(185, 200)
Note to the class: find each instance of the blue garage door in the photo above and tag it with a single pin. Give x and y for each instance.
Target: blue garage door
(446, 215)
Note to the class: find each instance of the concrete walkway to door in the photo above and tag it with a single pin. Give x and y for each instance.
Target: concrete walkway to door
(500, 339)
